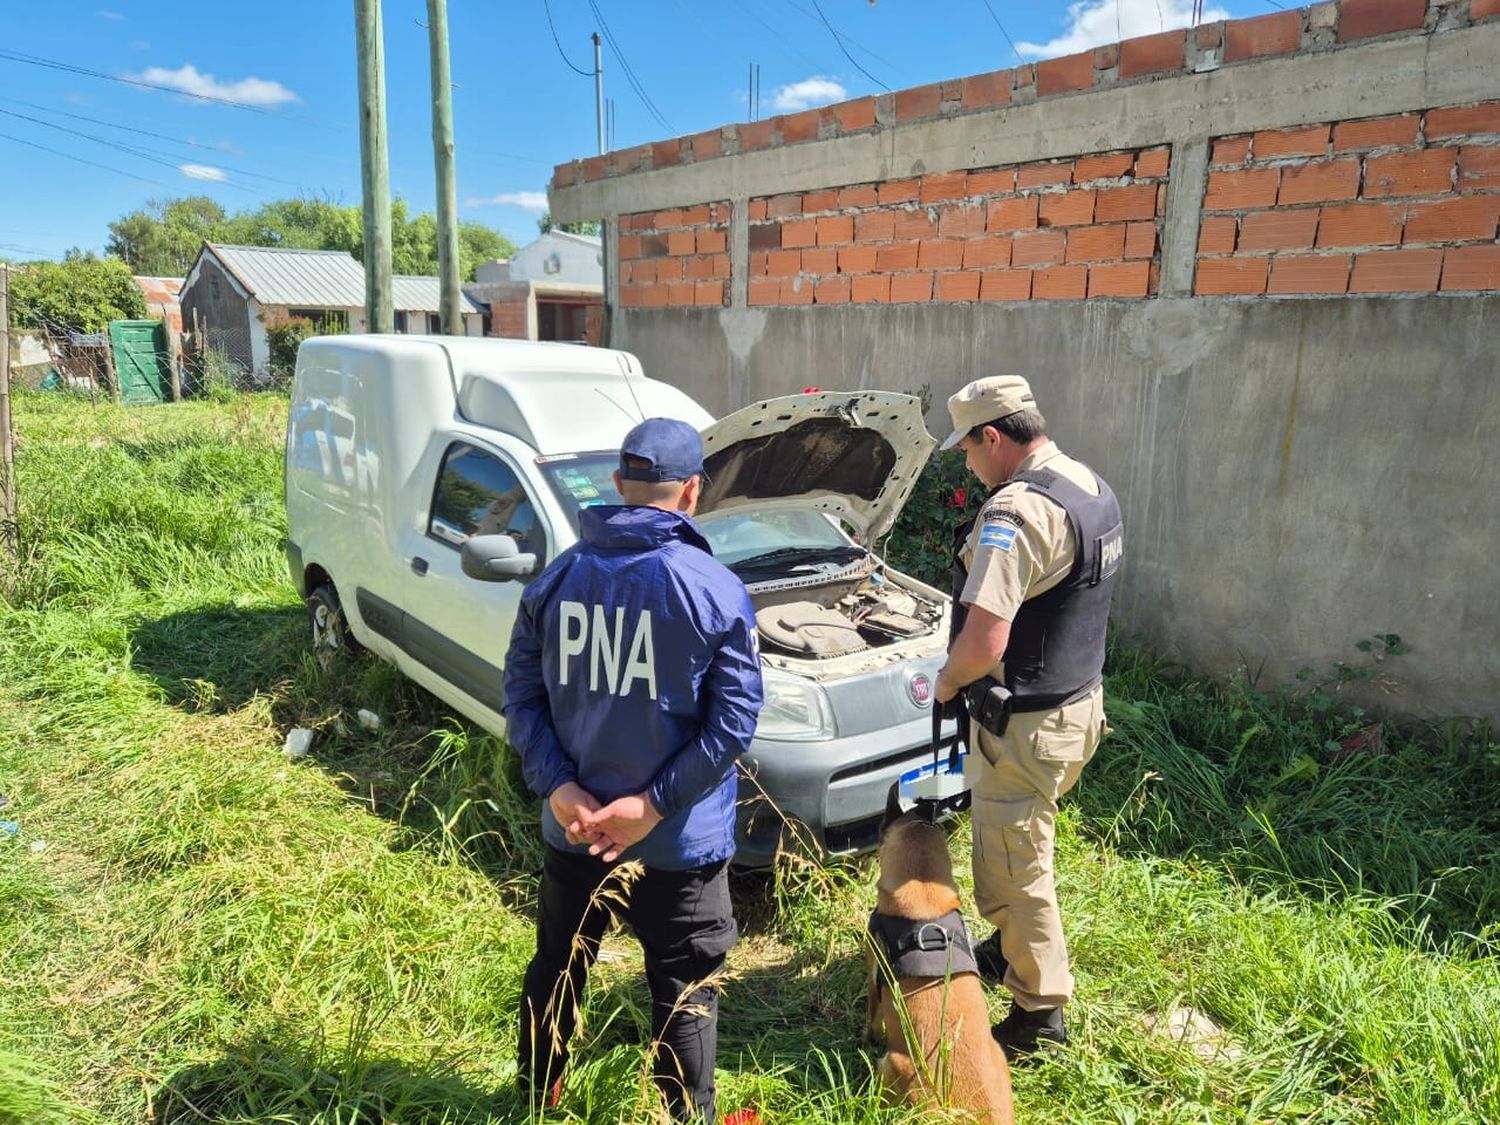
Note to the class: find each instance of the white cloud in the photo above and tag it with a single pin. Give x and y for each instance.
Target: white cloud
(526, 200)
(105, 15)
(251, 91)
(203, 172)
(806, 94)
(1092, 23)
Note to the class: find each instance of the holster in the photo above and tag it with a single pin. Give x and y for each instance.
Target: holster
(989, 703)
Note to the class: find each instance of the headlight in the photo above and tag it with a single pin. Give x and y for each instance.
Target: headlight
(796, 710)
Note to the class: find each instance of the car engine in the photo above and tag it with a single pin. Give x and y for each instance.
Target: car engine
(847, 618)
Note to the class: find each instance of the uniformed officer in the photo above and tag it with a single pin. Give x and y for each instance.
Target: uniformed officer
(632, 684)
(1032, 582)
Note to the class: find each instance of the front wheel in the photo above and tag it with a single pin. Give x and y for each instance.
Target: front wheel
(331, 638)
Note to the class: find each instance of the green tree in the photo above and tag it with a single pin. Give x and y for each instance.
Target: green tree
(477, 244)
(82, 292)
(591, 227)
(163, 239)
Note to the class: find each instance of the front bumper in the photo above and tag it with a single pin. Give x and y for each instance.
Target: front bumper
(824, 797)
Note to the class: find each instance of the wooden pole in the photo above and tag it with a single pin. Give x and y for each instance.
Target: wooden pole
(116, 392)
(7, 445)
(174, 365)
(450, 308)
(375, 175)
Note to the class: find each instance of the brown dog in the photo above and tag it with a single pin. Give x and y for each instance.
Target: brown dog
(939, 1050)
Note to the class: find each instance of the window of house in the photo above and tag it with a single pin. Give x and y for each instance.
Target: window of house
(434, 324)
(478, 494)
(400, 321)
(326, 321)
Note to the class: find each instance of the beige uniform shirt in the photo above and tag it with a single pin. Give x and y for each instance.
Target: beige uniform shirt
(1022, 544)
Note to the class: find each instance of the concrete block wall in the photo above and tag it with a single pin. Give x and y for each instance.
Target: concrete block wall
(1250, 268)
(1408, 203)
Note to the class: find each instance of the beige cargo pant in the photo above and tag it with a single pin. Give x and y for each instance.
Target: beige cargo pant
(1017, 780)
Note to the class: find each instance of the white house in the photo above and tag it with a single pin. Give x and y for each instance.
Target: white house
(233, 292)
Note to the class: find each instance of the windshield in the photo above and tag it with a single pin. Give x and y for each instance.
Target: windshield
(584, 480)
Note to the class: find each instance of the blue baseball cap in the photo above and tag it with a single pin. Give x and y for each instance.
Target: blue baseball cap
(673, 449)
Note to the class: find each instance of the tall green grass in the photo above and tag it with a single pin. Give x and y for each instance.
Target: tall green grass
(193, 928)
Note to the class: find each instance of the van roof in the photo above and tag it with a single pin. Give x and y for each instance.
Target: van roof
(558, 398)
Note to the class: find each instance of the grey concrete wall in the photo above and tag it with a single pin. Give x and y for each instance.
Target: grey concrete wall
(1296, 475)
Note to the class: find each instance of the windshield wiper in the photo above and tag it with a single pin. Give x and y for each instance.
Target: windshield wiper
(799, 556)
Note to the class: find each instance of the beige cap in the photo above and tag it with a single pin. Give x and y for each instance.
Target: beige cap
(987, 400)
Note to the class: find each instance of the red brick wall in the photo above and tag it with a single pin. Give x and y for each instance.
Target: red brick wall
(675, 258)
(1324, 26)
(508, 319)
(1403, 204)
(1052, 230)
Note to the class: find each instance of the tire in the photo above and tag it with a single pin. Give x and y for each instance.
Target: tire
(331, 639)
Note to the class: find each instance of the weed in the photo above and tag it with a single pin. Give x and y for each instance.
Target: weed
(193, 928)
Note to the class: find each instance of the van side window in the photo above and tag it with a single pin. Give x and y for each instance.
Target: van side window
(477, 494)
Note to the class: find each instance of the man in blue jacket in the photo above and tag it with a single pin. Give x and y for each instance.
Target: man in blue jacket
(631, 686)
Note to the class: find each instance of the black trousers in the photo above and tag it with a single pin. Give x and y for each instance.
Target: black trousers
(685, 923)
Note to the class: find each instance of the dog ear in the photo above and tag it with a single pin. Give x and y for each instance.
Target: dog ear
(893, 809)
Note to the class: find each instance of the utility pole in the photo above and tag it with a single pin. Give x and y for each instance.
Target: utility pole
(599, 90)
(8, 534)
(450, 312)
(375, 174)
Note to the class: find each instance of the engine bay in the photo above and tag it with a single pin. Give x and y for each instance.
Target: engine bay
(843, 618)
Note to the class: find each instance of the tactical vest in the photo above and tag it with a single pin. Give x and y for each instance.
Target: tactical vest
(939, 947)
(1056, 649)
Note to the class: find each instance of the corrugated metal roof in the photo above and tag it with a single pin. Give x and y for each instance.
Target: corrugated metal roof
(323, 279)
(420, 294)
(312, 278)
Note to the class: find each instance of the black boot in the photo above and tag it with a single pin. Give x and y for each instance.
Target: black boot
(992, 963)
(1022, 1032)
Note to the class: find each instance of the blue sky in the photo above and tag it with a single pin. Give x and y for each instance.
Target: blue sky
(518, 108)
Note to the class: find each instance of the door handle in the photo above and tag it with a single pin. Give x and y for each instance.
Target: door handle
(418, 565)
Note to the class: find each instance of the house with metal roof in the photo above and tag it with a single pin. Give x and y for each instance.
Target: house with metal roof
(233, 292)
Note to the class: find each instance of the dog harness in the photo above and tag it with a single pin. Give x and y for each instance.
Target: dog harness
(939, 947)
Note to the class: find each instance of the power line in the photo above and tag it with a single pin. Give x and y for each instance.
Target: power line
(128, 129)
(129, 150)
(184, 141)
(849, 39)
(90, 163)
(72, 68)
(625, 67)
(1001, 26)
(749, 11)
(847, 55)
(578, 70)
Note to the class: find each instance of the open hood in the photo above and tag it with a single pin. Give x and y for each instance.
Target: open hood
(854, 454)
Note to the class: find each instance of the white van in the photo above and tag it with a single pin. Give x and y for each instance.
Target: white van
(428, 478)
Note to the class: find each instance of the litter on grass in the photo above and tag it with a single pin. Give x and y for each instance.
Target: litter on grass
(298, 742)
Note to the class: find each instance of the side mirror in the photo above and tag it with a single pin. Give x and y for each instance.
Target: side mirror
(495, 558)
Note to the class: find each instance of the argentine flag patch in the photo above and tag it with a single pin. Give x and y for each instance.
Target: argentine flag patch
(997, 534)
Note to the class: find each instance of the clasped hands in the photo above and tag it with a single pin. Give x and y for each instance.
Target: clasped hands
(607, 829)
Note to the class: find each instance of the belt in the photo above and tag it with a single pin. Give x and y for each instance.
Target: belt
(1053, 700)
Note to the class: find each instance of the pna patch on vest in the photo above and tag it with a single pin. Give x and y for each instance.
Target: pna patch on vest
(999, 535)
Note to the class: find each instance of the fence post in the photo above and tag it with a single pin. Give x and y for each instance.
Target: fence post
(115, 390)
(174, 367)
